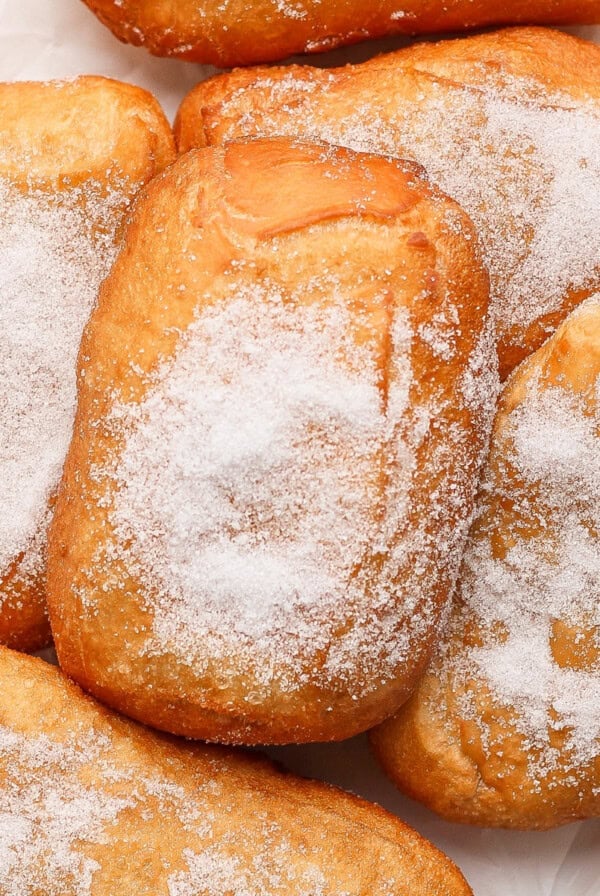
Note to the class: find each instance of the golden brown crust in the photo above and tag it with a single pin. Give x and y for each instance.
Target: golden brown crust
(503, 730)
(484, 116)
(150, 815)
(86, 144)
(317, 224)
(242, 33)
(61, 133)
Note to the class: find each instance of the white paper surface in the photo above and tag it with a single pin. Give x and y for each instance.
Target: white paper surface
(42, 39)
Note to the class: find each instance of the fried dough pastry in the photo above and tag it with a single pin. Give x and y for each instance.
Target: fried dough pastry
(72, 155)
(241, 33)
(504, 729)
(507, 123)
(284, 396)
(94, 805)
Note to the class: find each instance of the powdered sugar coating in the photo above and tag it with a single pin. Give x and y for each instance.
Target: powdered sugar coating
(250, 489)
(264, 493)
(529, 177)
(54, 251)
(46, 812)
(535, 604)
(212, 873)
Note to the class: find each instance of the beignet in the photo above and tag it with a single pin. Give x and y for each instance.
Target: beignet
(240, 33)
(285, 392)
(508, 124)
(504, 729)
(72, 155)
(94, 805)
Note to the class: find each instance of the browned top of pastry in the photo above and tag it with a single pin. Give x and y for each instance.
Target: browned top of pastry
(94, 805)
(505, 727)
(241, 32)
(284, 395)
(507, 123)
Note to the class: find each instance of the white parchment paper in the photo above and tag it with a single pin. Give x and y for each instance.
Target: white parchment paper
(43, 39)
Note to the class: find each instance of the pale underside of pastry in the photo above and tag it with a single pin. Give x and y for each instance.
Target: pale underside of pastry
(72, 156)
(285, 393)
(241, 32)
(504, 729)
(94, 805)
(507, 123)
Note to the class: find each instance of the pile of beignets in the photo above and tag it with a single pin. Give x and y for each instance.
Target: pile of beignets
(300, 437)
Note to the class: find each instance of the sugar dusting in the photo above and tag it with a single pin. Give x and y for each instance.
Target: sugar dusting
(71, 808)
(214, 872)
(58, 797)
(51, 264)
(527, 174)
(529, 177)
(548, 578)
(263, 490)
(249, 485)
(46, 812)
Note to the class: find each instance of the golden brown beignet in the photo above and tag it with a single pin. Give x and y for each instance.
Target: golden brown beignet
(72, 155)
(242, 32)
(507, 123)
(284, 395)
(94, 805)
(504, 729)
